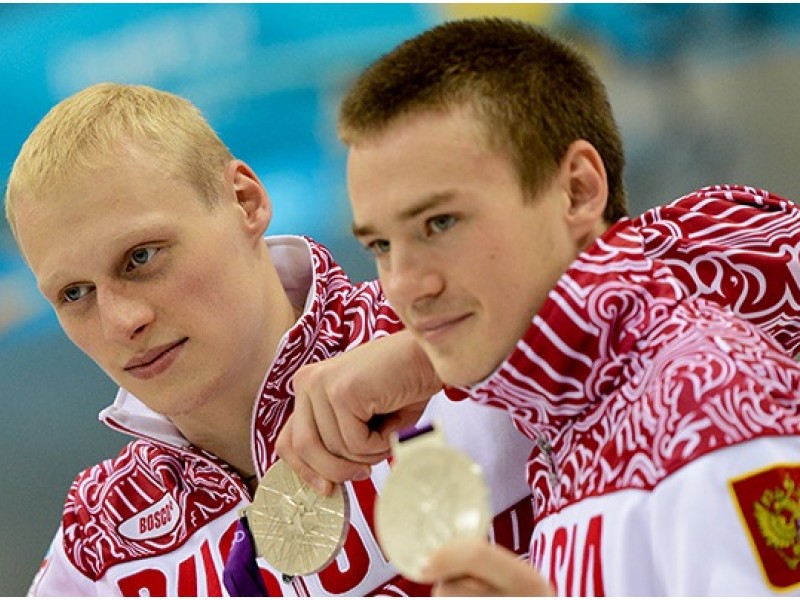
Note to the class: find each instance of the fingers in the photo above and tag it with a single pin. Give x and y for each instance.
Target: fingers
(314, 464)
(315, 409)
(400, 419)
(470, 564)
(340, 428)
(347, 431)
(312, 444)
(462, 587)
(346, 408)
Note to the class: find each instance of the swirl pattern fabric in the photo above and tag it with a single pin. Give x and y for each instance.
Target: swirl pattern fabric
(736, 246)
(668, 338)
(342, 316)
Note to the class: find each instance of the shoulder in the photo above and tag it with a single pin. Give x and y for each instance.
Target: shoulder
(146, 501)
(722, 203)
(700, 379)
(711, 380)
(351, 313)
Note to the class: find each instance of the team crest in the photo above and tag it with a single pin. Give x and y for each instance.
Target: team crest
(769, 504)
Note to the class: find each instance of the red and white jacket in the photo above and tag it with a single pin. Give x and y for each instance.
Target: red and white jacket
(658, 386)
(159, 519)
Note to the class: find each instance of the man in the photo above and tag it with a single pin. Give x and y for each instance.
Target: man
(649, 360)
(146, 235)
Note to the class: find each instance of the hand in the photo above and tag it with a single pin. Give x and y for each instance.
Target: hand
(346, 407)
(479, 568)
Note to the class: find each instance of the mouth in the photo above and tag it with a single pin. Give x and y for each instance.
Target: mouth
(155, 361)
(435, 329)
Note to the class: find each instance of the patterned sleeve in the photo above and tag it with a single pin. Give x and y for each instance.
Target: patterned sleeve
(737, 246)
(381, 319)
(377, 316)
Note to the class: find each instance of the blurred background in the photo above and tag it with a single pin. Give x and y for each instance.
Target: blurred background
(703, 93)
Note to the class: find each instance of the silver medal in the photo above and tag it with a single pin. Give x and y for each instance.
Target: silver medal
(434, 495)
(296, 530)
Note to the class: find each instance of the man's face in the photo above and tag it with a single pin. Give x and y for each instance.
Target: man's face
(162, 292)
(463, 256)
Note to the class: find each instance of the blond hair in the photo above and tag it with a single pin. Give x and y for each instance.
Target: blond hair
(534, 94)
(96, 123)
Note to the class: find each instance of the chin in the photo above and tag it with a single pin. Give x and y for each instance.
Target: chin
(456, 374)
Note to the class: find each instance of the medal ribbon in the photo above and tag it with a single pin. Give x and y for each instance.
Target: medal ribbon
(412, 432)
(241, 575)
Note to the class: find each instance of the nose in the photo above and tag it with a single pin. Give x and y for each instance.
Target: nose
(410, 278)
(124, 314)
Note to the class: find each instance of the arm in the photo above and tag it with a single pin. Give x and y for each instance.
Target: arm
(58, 577)
(710, 527)
(346, 407)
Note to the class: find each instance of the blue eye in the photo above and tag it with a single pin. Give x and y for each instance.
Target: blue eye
(75, 293)
(141, 256)
(441, 223)
(378, 247)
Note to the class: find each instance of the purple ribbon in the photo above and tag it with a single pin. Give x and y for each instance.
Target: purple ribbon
(413, 431)
(241, 575)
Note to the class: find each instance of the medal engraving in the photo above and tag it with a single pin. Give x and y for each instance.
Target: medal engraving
(295, 529)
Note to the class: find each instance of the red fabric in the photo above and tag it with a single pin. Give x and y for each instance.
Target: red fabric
(658, 346)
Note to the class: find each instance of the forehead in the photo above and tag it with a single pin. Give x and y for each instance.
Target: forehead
(104, 184)
(96, 211)
(423, 156)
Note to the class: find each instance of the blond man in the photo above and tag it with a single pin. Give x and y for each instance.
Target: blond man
(147, 236)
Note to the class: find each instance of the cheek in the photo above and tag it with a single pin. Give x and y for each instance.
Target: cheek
(196, 285)
(387, 290)
(205, 278)
(215, 296)
(515, 295)
(511, 316)
(86, 335)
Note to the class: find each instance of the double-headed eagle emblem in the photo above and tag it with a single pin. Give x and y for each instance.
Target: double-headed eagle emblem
(777, 513)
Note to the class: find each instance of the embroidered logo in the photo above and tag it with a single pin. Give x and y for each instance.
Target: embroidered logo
(769, 504)
(155, 521)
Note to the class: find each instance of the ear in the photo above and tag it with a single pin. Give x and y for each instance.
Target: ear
(251, 197)
(583, 177)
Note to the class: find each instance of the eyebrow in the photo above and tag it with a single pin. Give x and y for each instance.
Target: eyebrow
(135, 235)
(425, 204)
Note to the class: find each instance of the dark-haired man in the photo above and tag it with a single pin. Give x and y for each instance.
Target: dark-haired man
(648, 360)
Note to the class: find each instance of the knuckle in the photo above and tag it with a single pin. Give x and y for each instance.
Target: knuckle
(302, 439)
(338, 395)
(306, 376)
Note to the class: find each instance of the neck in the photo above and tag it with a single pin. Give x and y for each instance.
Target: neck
(223, 431)
(224, 426)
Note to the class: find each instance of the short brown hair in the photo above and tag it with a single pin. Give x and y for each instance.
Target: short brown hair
(94, 123)
(535, 94)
